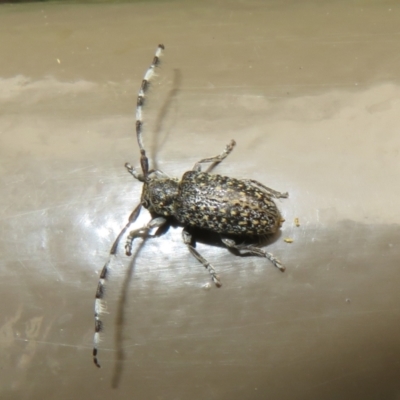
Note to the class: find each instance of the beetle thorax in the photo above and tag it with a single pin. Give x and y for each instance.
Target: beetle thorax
(159, 196)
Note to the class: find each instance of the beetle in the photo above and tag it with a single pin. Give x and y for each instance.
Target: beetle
(216, 203)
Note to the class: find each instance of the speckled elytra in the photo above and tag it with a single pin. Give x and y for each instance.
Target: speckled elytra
(227, 206)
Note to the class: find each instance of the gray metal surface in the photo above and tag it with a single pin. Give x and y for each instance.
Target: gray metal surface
(311, 95)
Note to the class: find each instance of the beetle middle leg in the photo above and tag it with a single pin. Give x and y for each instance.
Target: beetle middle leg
(187, 239)
(256, 251)
(216, 159)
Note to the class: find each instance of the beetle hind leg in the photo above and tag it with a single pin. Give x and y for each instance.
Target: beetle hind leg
(253, 250)
(187, 239)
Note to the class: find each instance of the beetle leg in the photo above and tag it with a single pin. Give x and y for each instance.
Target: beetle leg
(271, 192)
(215, 160)
(187, 239)
(143, 231)
(256, 251)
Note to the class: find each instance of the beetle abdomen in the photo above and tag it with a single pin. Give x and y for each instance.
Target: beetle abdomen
(225, 205)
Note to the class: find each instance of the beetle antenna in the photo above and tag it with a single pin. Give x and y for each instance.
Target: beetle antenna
(99, 304)
(144, 161)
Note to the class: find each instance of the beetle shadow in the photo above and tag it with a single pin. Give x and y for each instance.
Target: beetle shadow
(120, 317)
(121, 306)
(169, 101)
(213, 239)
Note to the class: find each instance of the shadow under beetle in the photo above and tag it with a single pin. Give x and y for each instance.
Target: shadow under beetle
(223, 205)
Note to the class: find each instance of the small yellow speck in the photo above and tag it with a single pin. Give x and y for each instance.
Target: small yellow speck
(297, 222)
(58, 60)
(288, 240)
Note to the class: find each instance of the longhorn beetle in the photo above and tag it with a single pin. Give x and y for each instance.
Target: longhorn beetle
(216, 203)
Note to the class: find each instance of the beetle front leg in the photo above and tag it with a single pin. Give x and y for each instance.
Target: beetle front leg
(215, 160)
(143, 231)
(255, 251)
(187, 239)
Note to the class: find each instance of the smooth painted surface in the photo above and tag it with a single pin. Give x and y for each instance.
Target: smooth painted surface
(311, 94)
